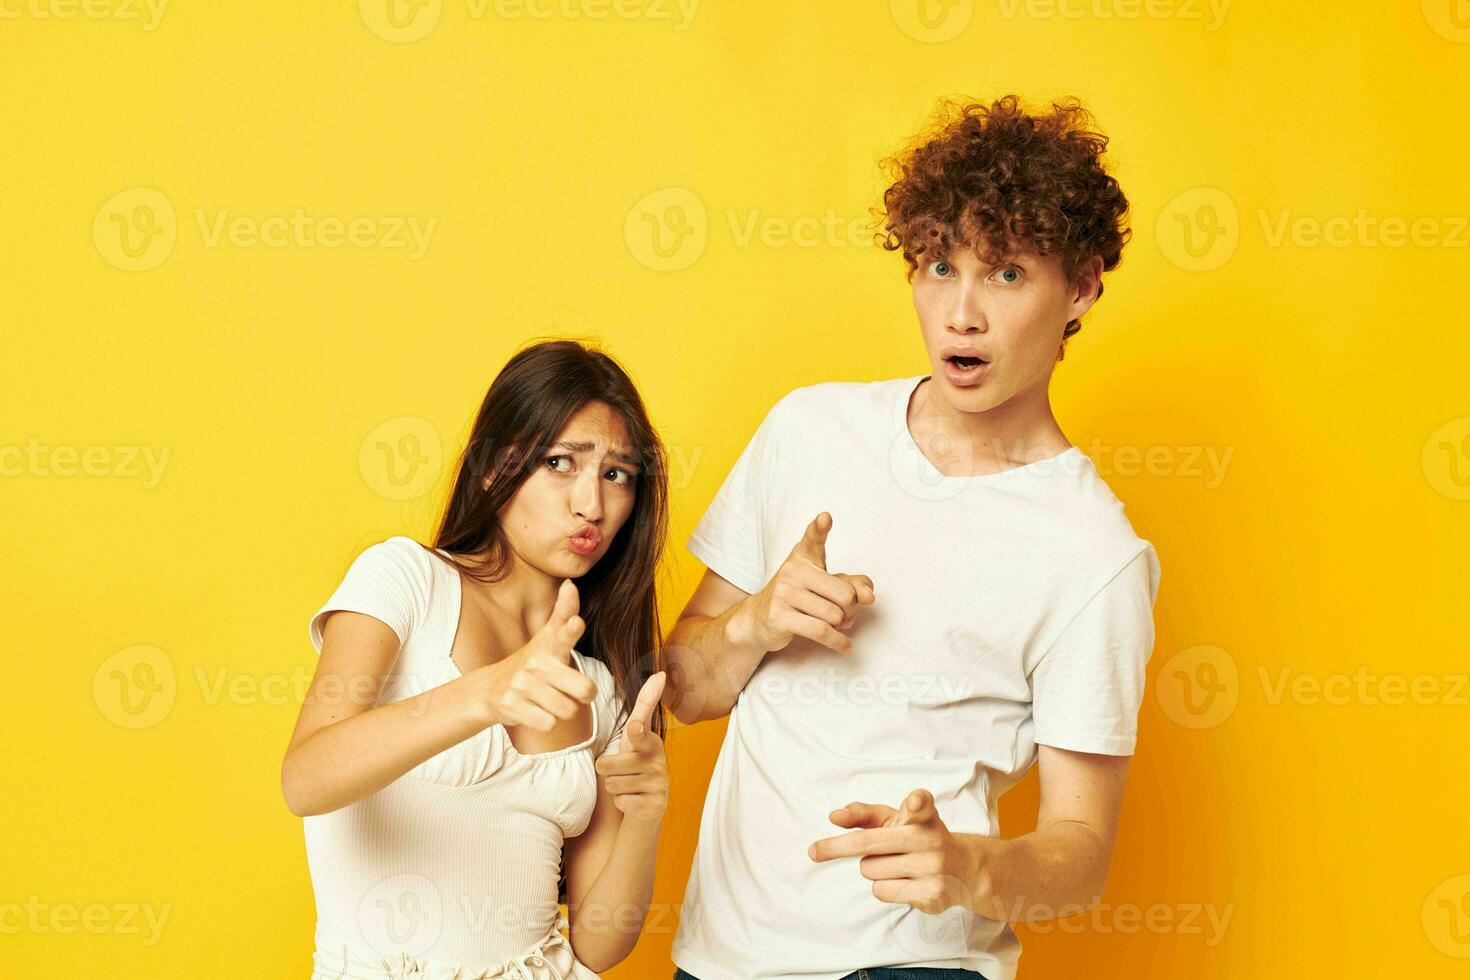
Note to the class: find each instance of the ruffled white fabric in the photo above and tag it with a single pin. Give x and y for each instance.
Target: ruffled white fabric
(550, 959)
(457, 862)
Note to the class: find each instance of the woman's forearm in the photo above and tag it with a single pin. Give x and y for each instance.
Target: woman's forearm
(357, 756)
(606, 924)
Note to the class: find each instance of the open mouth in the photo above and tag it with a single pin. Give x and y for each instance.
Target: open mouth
(966, 362)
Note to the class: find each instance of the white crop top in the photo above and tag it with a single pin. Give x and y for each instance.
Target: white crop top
(459, 859)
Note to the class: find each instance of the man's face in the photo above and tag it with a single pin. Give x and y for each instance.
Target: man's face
(564, 517)
(993, 332)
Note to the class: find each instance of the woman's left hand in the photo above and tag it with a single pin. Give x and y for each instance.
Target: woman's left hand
(637, 776)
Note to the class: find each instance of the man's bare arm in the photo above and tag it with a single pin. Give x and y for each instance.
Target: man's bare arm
(707, 658)
(724, 633)
(1058, 869)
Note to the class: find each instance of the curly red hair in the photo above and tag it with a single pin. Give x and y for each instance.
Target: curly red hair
(997, 178)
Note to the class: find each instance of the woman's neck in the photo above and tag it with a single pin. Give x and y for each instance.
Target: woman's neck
(525, 595)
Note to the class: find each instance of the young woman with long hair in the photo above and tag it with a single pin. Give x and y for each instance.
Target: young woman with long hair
(468, 696)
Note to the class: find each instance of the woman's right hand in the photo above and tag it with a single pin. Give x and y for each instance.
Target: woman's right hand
(537, 685)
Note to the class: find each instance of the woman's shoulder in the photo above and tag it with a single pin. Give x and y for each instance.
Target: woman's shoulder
(401, 557)
(389, 580)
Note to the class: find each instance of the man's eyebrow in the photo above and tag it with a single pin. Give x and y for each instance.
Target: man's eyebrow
(587, 447)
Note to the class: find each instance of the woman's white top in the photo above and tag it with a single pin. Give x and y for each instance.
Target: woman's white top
(456, 864)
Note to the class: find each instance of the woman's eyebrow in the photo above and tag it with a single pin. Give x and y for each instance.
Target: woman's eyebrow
(587, 447)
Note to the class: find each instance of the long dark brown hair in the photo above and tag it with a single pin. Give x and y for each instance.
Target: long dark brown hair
(523, 413)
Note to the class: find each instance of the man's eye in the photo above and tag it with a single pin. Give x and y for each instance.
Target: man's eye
(1013, 273)
(940, 269)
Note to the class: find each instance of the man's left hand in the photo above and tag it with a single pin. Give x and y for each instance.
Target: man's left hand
(908, 853)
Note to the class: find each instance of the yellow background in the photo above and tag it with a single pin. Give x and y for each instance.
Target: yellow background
(1330, 830)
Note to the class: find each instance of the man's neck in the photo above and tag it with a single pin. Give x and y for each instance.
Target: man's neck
(1019, 431)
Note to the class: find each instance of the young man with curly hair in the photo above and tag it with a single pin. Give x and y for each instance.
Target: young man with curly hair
(917, 589)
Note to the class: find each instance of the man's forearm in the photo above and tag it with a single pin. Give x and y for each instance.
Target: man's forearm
(709, 660)
(1056, 871)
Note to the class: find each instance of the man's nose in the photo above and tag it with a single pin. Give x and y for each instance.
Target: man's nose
(966, 315)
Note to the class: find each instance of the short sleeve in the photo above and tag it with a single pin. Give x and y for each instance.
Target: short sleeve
(1086, 689)
(387, 582)
(730, 537)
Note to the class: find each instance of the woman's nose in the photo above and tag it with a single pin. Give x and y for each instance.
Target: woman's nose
(587, 498)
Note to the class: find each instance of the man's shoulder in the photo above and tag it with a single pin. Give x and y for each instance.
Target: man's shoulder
(1089, 516)
(841, 398)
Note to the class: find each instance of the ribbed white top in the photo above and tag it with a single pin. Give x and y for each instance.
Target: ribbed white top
(458, 860)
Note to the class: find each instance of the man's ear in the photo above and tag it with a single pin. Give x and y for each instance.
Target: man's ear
(1087, 288)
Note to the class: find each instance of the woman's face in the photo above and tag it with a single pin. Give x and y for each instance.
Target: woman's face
(563, 518)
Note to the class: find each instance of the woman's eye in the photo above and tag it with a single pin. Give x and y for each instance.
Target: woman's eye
(621, 477)
(1010, 275)
(553, 461)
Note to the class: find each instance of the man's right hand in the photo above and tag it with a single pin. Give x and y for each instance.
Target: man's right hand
(804, 599)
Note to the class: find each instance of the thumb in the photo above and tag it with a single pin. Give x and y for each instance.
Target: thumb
(568, 602)
(648, 697)
(813, 543)
(917, 806)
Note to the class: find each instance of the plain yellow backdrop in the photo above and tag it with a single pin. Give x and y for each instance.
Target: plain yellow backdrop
(261, 260)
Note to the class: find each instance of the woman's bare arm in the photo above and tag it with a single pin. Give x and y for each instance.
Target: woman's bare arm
(346, 746)
(610, 865)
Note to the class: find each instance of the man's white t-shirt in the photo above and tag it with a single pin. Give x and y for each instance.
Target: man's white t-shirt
(1013, 608)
